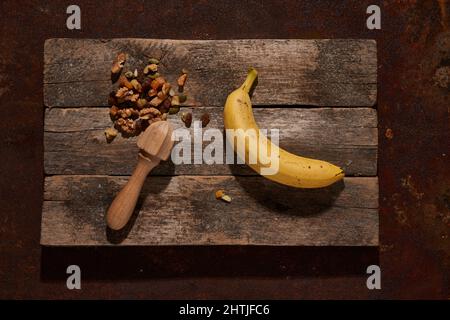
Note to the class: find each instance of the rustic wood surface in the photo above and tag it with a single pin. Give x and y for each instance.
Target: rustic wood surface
(74, 140)
(308, 72)
(183, 210)
(177, 205)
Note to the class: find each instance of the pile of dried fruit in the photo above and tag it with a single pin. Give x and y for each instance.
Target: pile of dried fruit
(142, 99)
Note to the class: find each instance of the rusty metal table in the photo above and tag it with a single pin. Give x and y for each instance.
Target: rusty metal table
(413, 100)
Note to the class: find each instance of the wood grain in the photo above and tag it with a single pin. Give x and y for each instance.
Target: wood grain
(292, 72)
(74, 141)
(182, 210)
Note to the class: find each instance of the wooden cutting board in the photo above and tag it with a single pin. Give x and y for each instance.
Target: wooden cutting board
(320, 94)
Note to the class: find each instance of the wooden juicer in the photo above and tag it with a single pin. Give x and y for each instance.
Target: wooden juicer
(155, 144)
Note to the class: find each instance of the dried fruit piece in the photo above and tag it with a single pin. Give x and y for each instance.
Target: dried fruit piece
(205, 119)
(182, 98)
(186, 117)
(110, 134)
(171, 92)
(165, 106)
(219, 194)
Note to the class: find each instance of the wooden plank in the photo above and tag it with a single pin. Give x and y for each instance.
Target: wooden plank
(182, 210)
(74, 141)
(337, 72)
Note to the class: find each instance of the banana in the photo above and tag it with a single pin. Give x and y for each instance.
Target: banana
(292, 170)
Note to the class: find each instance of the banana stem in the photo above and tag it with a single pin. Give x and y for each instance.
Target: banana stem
(251, 77)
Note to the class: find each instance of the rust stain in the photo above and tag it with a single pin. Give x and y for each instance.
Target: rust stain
(400, 215)
(443, 10)
(410, 186)
(441, 77)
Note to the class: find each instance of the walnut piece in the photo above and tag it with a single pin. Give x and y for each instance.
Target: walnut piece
(118, 63)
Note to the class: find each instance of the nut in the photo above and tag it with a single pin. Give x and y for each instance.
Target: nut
(220, 195)
(129, 75)
(152, 92)
(110, 134)
(174, 110)
(132, 97)
(158, 83)
(165, 88)
(118, 63)
(112, 98)
(125, 113)
(161, 96)
(205, 119)
(156, 101)
(141, 103)
(175, 101)
(165, 106)
(136, 85)
(153, 61)
(122, 92)
(113, 112)
(151, 68)
(182, 80)
(124, 82)
(152, 111)
(226, 198)
(186, 117)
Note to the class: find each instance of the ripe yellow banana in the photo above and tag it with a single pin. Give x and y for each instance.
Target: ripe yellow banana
(292, 170)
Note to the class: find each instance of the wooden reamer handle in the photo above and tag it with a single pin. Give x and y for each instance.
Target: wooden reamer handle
(124, 203)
